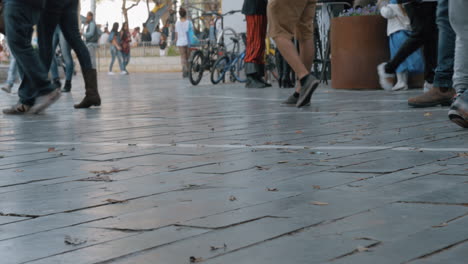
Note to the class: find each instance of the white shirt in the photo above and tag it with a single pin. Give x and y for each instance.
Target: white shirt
(104, 39)
(155, 38)
(397, 20)
(182, 29)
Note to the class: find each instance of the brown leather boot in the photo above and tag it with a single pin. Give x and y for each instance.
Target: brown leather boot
(434, 97)
(92, 97)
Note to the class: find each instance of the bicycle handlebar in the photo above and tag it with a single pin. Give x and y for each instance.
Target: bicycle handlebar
(232, 12)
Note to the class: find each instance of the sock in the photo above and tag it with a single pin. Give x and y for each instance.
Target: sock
(303, 80)
(296, 94)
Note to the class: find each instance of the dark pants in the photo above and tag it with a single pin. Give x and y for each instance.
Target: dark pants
(424, 33)
(446, 56)
(19, 20)
(65, 14)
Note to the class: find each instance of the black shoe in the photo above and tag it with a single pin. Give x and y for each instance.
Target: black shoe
(280, 83)
(57, 83)
(308, 86)
(67, 87)
(458, 113)
(253, 82)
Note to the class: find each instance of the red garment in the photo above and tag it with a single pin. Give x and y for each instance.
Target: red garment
(256, 35)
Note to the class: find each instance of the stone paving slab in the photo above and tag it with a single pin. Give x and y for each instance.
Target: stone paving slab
(165, 171)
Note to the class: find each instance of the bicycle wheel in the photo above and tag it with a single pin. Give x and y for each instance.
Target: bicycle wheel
(220, 67)
(224, 40)
(271, 68)
(238, 68)
(196, 67)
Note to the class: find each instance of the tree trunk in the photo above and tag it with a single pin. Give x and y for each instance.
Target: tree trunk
(93, 8)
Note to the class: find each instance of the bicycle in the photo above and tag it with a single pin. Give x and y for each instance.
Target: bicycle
(232, 62)
(203, 58)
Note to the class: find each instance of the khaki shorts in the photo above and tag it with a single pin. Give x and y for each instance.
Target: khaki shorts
(289, 18)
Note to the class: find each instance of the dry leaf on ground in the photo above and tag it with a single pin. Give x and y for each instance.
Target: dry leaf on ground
(318, 203)
(114, 201)
(73, 241)
(441, 225)
(362, 249)
(97, 179)
(299, 132)
(51, 150)
(195, 259)
(113, 170)
(214, 248)
(427, 114)
(283, 162)
(272, 189)
(232, 198)
(261, 168)
(317, 187)
(463, 155)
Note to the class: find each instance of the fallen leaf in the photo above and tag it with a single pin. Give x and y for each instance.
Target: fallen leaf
(214, 248)
(132, 145)
(51, 150)
(19, 170)
(362, 249)
(261, 168)
(272, 189)
(427, 114)
(441, 225)
(319, 203)
(73, 241)
(232, 198)
(97, 178)
(195, 260)
(299, 132)
(283, 162)
(114, 201)
(463, 155)
(317, 187)
(104, 172)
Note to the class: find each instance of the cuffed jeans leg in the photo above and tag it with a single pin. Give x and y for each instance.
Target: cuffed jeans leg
(459, 20)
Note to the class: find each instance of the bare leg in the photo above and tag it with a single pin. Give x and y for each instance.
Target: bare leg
(302, 63)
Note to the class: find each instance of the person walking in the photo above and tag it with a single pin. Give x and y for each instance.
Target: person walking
(181, 39)
(458, 19)
(398, 31)
(115, 49)
(255, 12)
(65, 14)
(125, 40)
(91, 37)
(65, 51)
(287, 18)
(36, 92)
(104, 39)
(443, 91)
(422, 14)
(12, 75)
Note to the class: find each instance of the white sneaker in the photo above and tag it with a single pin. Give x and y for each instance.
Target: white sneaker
(110, 73)
(400, 87)
(124, 72)
(385, 79)
(428, 87)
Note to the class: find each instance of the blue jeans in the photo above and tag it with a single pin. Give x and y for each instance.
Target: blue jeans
(459, 22)
(63, 13)
(446, 51)
(65, 49)
(12, 71)
(116, 53)
(125, 59)
(19, 21)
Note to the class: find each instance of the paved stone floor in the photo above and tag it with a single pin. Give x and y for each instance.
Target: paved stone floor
(169, 173)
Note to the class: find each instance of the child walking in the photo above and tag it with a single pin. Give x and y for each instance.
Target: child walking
(398, 31)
